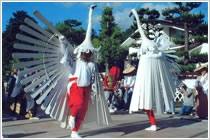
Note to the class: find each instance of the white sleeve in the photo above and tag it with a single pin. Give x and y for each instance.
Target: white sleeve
(133, 80)
(68, 59)
(205, 87)
(125, 80)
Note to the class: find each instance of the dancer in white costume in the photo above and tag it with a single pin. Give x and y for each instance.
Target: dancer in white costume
(71, 90)
(154, 86)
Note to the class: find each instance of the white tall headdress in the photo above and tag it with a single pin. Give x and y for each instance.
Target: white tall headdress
(86, 45)
(146, 43)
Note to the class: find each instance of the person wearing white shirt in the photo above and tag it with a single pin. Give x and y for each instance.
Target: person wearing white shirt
(129, 81)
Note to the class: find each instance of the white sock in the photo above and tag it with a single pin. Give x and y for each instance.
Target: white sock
(72, 122)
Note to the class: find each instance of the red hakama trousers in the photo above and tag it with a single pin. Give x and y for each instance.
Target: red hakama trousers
(78, 103)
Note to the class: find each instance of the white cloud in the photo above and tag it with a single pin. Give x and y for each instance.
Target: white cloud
(122, 19)
(159, 7)
(95, 22)
(97, 18)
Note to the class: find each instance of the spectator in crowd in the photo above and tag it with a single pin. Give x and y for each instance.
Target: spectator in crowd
(3, 96)
(129, 81)
(17, 95)
(188, 100)
(11, 102)
(11, 81)
(201, 86)
(32, 106)
(111, 87)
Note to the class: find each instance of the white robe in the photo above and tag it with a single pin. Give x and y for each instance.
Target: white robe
(88, 74)
(154, 85)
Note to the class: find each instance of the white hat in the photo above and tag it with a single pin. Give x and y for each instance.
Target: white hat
(87, 47)
(129, 70)
(201, 67)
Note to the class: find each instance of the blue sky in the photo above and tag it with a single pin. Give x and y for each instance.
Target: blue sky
(59, 11)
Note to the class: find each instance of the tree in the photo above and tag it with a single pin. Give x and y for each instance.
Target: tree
(110, 40)
(200, 33)
(150, 19)
(9, 38)
(127, 33)
(72, 30)
(181, 15)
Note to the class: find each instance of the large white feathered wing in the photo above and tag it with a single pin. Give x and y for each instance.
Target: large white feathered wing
(40, 54)
(97, 108)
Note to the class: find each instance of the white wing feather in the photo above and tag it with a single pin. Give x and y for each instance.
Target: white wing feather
(40, 51)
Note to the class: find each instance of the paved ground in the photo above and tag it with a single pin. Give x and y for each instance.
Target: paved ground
(123, 125)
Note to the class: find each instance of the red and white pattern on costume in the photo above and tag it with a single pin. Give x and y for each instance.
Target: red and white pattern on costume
(71, 81)
(78, 101)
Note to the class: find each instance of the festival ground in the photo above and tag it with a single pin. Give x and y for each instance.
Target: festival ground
(123, 125)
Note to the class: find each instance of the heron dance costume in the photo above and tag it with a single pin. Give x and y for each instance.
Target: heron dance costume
(70, 83)
(154, 85)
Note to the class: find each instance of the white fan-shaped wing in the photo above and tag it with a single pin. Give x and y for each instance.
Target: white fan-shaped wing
(40, 53)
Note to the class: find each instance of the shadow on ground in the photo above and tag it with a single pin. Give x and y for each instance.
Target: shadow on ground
(128, 128)
(20, 135)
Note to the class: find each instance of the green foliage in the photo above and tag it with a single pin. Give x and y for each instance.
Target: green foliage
(110, 39)
(127, 33)
(180, 53)
(203, 57)
(181, 14)
(132, 55)
(178, 41)
(72, 30)
(9, 38)
(201, 29)
(107, 23)
(200, 39)
(150, 18)
(200, 33)
(187, 68)
(197, 57)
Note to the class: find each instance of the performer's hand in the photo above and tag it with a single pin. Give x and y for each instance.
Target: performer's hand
(61, 38)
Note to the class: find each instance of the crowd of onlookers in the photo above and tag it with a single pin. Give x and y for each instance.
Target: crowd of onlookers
(196, 99)
(16, 102)
(118, 90)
